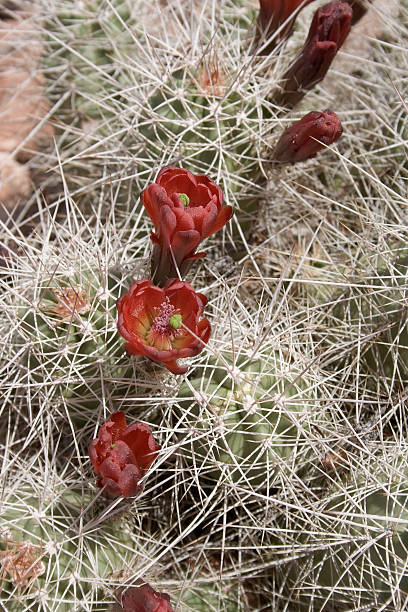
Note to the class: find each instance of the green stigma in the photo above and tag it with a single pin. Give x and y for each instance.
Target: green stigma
(184, 198)
(113, 445)
(176, 320)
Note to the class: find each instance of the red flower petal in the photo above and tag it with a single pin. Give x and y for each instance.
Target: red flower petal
(184, 220)
(129, 481)
(121, 453)
(202, 195)
(145, 599)
(140, 439)
(173, 367)
(204, 330)
(223, 217)
(184, 243)
(121, 466)
(210, 219)
(178, 180)
(154, 198)
(203, 214)
(109, 469)
(167, 224)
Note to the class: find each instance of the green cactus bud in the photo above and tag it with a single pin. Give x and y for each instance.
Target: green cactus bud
(69, 558)
(248, 419)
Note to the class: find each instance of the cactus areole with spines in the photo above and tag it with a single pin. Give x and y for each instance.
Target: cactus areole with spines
(46, 549)
(253, 422)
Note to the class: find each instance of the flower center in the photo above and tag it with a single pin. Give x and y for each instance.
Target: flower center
(176, 321)
(184, 198)
(162, 322)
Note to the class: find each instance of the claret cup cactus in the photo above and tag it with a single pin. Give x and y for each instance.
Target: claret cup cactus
(49, 555)
(362, 559)
(266, 492)
(69, 336)
(248, 419)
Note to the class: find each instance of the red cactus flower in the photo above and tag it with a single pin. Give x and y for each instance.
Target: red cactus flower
(274, 13)
(299, 141)
(143, 599)
(121, 455)
(163, 324)
(185, 208)
(328, 31)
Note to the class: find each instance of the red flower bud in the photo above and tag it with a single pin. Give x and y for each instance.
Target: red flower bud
(274, 13)
(298, 143)
(330, 26)
(143, 599)
(359, 10)
(163, 324)
(185, 208)
(121, 455)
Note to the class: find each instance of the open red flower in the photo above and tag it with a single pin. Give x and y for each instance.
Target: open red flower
(163, 324)
(274, 13)
(299, 141)
(328, 31)
(121, 455)
(144, 599)
(185, 208)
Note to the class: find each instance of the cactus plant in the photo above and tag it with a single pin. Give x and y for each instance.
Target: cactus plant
(208, 597)
(70, 339)
(71, 560)
(363, 560)
(188, 92)
(378, 307)
(91, 40)
(248, 418)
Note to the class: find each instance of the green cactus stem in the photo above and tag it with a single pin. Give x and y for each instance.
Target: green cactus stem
(248, 420)
(363, 562)
(69, 337)
(379, 311)
(66, 564)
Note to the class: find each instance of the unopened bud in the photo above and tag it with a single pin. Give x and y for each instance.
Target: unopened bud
(328, 31)
(359, 10)
(305, 138)
(272, 15)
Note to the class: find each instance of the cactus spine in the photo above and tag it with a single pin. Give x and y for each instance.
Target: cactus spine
(249, 417)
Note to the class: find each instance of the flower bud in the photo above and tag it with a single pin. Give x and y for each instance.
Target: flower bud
(121, 454)
(328, 31)
(143, 599)
(274, 13)
(305, 138)
(359, 10)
